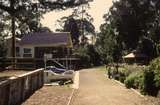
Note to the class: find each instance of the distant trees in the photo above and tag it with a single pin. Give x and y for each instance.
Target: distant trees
(79, 24)
(129, 25)
(88, 55)
(23, 16)
(27, 13)
(3, 35)
(3, 49)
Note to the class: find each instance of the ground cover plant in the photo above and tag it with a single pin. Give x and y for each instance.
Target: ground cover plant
(145, 79)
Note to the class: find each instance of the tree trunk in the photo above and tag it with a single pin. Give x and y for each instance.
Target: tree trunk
(12, 3)
(13, 43)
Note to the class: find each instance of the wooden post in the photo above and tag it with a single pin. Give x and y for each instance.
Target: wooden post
(13, 35)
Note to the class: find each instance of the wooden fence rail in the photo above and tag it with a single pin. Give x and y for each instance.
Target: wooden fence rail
(15, 90)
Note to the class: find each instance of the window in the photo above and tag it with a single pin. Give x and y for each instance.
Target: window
(17, 52)
(27, 52)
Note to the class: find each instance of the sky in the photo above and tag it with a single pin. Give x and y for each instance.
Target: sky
(97, 10)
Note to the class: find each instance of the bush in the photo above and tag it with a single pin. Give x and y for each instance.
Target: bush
(155, 67)
(134, 80)
(120, 75)
(123, 72)
(152, 78)
(122, 79)
(149, 83)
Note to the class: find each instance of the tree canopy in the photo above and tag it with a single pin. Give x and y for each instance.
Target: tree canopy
(27, 13)
(130, 24)
(23, 16)
(79, 24)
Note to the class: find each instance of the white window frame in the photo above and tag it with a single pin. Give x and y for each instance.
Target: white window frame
(18, 51)
(27, 54)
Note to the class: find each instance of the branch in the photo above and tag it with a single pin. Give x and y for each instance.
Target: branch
(51, 5)
(5, 8)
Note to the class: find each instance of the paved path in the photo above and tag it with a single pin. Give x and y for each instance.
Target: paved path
(96, 89)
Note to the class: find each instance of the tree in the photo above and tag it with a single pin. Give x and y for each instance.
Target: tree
(25, 14)
(3, 35)
(3, 49)
(107, 44)
(79, 24)
(88, 56)
(130, 21)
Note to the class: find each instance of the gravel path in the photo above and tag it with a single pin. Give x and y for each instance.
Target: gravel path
(50, 95)
(96, 89)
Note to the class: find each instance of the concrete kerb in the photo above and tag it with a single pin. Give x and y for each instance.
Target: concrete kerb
(74, 86)
(138, 93)
(70, 98)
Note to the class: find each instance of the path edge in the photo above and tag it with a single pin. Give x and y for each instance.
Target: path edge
(134, 90)
(74, 86)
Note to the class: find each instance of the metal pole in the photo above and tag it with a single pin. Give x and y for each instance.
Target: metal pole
(66, 63)
(45, 61)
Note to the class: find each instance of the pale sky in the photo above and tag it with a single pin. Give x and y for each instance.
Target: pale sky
(97, 10)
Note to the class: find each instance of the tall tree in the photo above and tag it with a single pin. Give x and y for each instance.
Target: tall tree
(25, 14)
(131, 21)
(79, 24)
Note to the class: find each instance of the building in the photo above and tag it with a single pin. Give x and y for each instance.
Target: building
(136, 58)
(35, 45)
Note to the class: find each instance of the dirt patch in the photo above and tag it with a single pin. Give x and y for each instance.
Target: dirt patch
(4, 75)
(153, 100)
(50, 95)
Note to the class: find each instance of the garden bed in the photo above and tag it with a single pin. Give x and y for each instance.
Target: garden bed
(145, 79)
(4, 75)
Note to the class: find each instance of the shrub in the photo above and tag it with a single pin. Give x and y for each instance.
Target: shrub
(123, 72)
(122, 79)
(134, 80)
(149, 83)
(152, 78)
(155, 67)
(120, 75)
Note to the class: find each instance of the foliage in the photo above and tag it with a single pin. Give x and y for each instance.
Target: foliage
(152, 78)
(107, 45)
(79, 24)
(144, 78)
(88, 56)
(3, 51)
(155, 66)
(82, 53)
(147, 47)
(28, 13)
(94, 56)
(149, 83)
(130, 21)
(134, 80)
